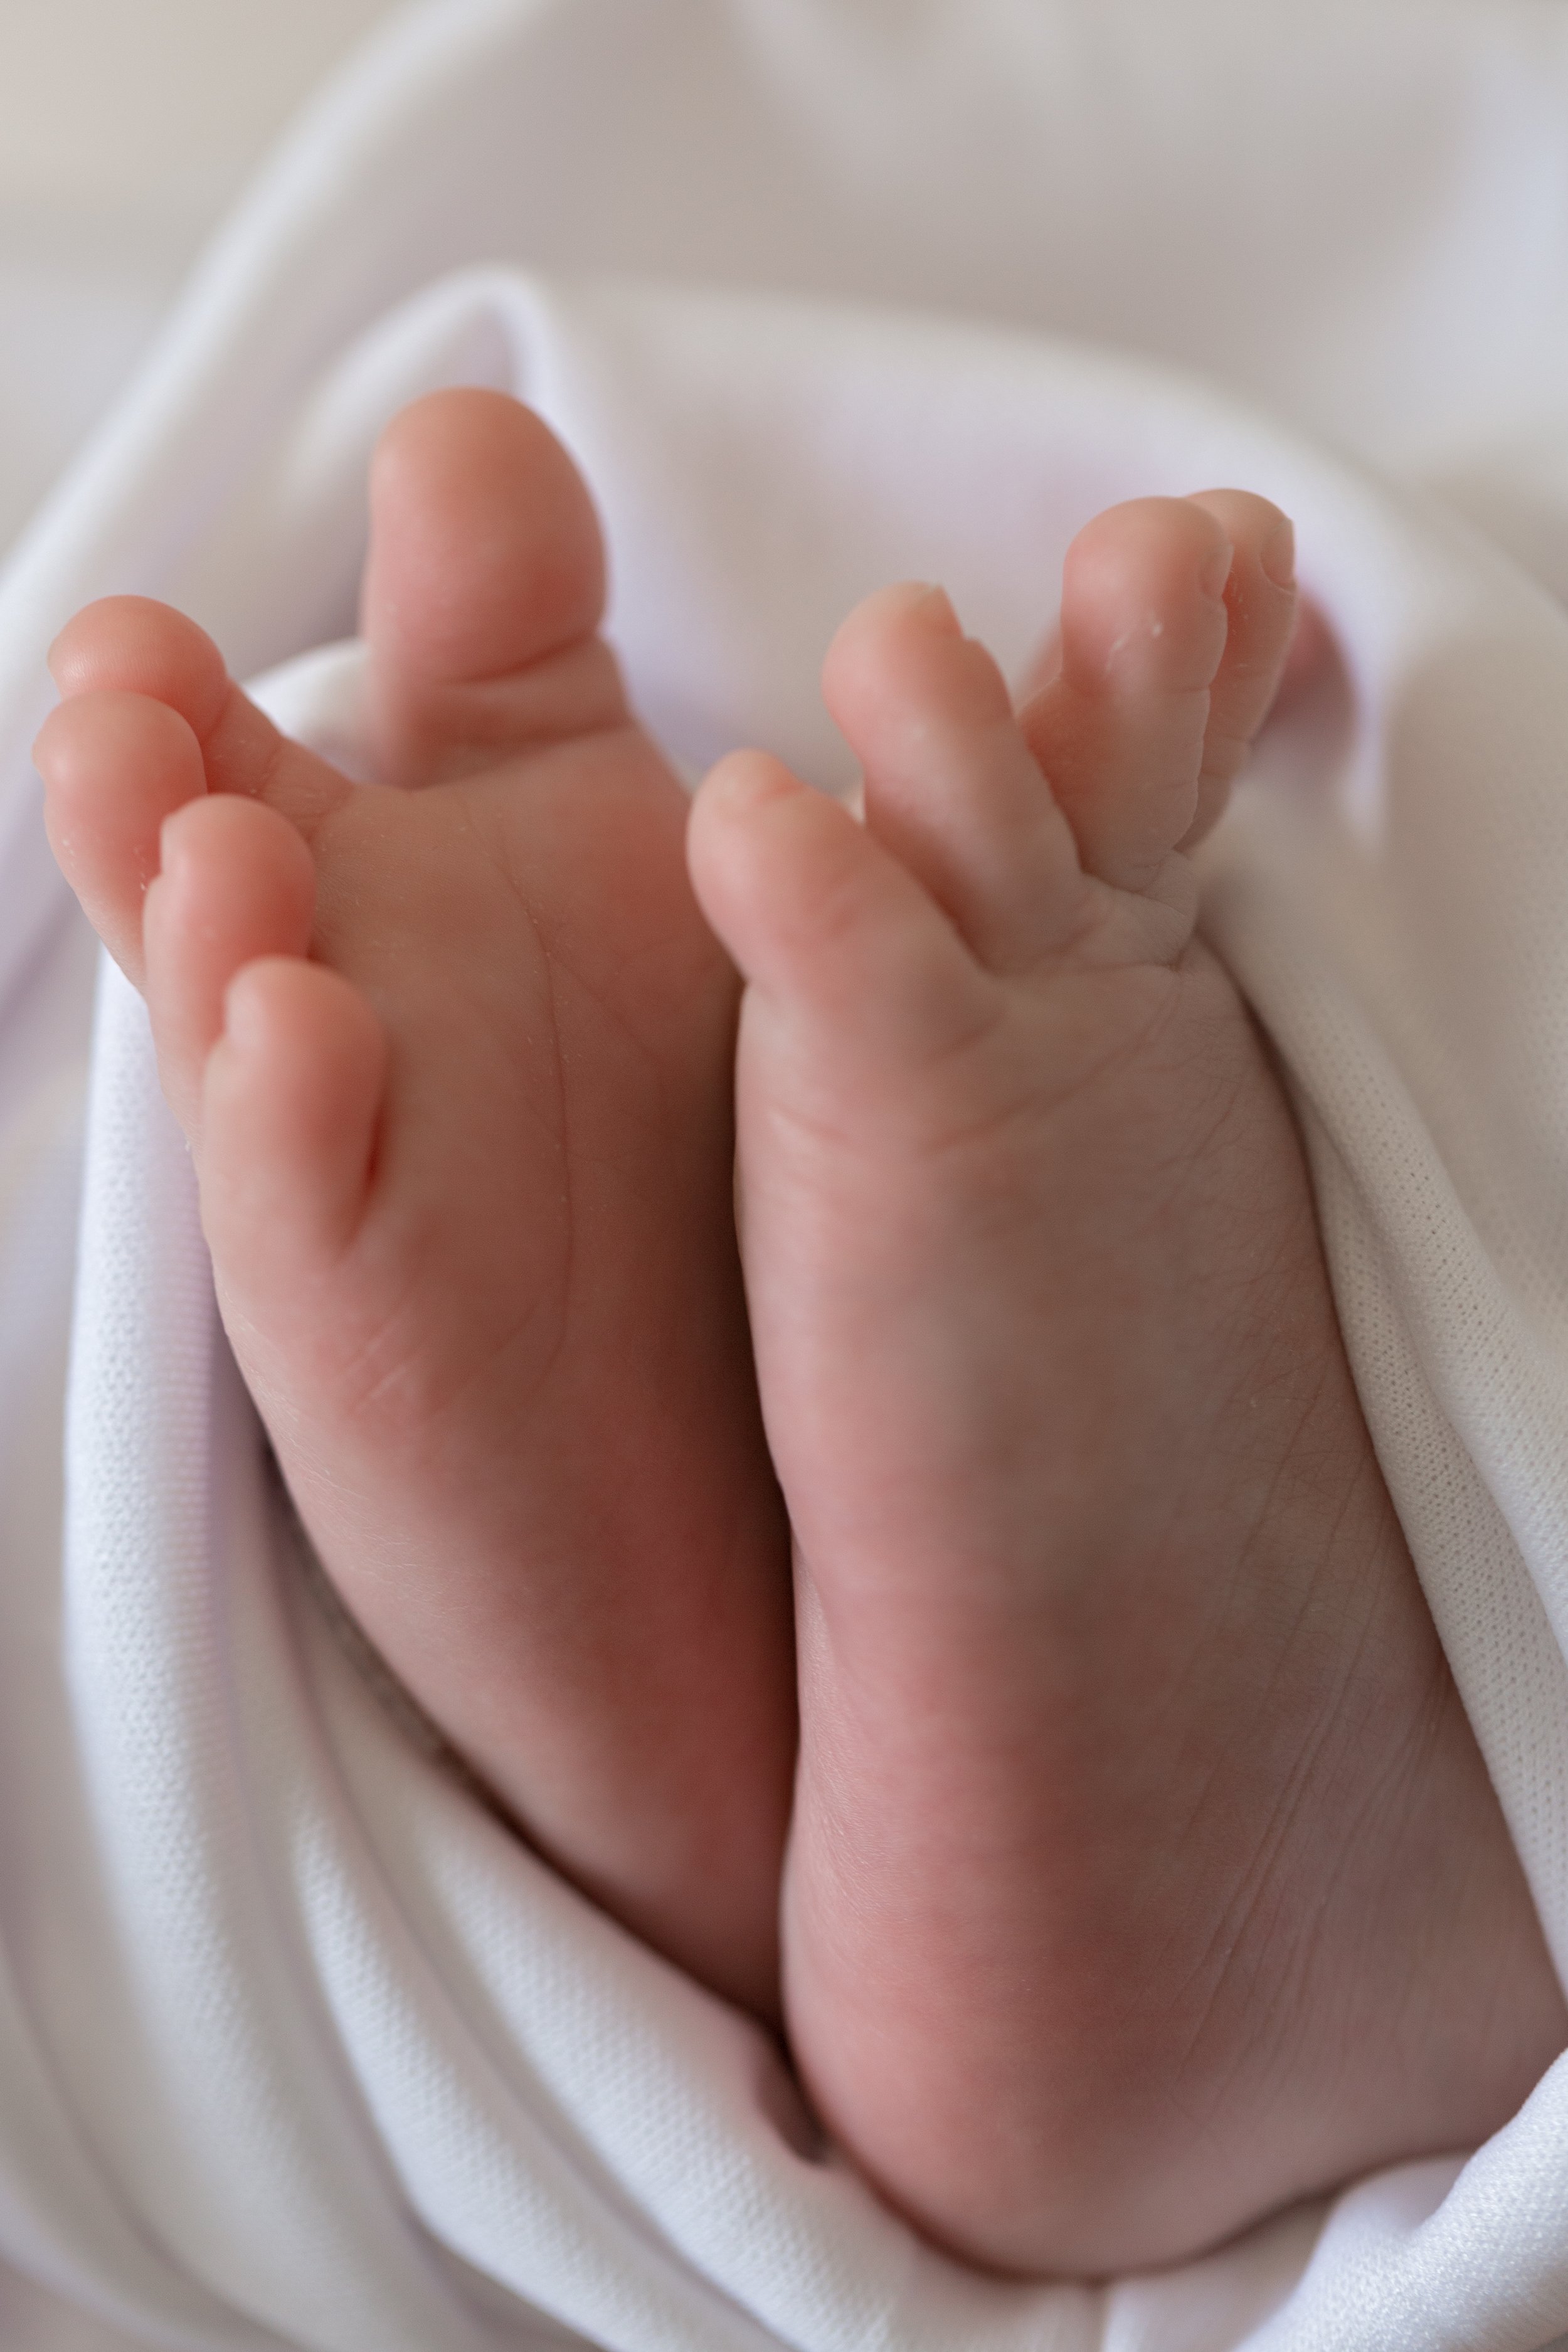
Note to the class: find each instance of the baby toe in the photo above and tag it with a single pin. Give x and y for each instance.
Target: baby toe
(837, 940)
(1260, 608)
(483, 589)
(953, 791)
(114, 765)
(132, 646)
(291, 1096)
(1119, 731)
(236, 882)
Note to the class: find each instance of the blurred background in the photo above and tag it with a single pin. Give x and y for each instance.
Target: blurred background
(127, 126)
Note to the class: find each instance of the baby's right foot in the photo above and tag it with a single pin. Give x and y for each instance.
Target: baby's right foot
(1144, 1872)
(455, 1061)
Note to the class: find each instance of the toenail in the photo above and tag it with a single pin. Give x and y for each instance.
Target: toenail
(1277, 554)
(1216, 572)
(917, 600)
(744, 779)
(933, 606)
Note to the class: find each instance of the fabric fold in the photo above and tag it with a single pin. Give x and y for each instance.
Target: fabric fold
(298, 2046)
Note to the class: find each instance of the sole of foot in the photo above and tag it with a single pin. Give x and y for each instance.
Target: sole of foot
(1144, 1873)
(454, 1053)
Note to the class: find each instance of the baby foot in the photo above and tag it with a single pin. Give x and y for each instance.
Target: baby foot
(1144, 1872)
(455, 1062)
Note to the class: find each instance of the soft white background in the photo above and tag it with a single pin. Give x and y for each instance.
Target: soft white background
(126, 129)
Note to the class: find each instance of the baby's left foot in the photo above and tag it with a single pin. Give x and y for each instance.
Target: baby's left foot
(1144, 1872)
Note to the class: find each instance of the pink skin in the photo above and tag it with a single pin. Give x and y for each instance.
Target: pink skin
(1144, 1871)
(455, 1063)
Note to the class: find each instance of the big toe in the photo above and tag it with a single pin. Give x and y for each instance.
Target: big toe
(483, 590)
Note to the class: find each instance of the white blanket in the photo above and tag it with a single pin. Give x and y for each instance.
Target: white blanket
(297, 2047)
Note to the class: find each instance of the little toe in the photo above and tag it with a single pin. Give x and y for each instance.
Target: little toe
(953, 790)
(291, 1095)
(1120, 730)
(483, 589)
(826, 923)
(115, 765)
(1260, 606)
(236, 882)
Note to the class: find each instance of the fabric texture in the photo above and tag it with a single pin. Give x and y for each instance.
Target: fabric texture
(298, 2048)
